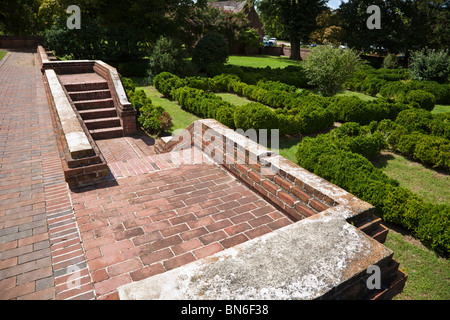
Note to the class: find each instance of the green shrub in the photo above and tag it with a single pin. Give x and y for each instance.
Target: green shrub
(434, 151)
(212, 48)
(225, 115)
(166, 56)
(255, 116)
(325, 157)
(430, 64)
(394, 89)
(154, 119)
(407, 143)
(390, 61)
(440, 91)
(424, 99)
(329, 68)
(440, 125)
(415, 120)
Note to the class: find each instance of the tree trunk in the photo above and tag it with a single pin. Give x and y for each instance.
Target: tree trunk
(295, 49)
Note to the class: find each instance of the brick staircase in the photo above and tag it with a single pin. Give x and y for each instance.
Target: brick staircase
(96, 107)
(371, 225)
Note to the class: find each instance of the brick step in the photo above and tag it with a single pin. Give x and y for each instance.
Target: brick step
(98, 113)
(394, 287)
(369, 224)
(86, 86)
(102, 123)
(94, 104)
(90, 95)
(106, 133)
(379, 234)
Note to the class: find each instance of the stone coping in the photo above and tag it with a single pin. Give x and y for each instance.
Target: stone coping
(77, 141)
(323, 256)
(310, 259)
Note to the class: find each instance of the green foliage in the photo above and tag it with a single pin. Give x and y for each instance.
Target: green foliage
(390, 61)
(424, 99)
(329, 68)
(399, 90)
(94, 41)
(255, 116)
(331, 157)
(353, 109)
(415, 120)
(152, 118)
(431, 65)
(212, 48)
(166, 56)
(225, 115)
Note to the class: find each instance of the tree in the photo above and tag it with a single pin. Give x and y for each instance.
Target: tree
(19, 17)
(405, 25)
(330, 29)
(297, 19)
(329, 68)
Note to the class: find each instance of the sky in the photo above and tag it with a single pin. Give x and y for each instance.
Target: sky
(334, 4)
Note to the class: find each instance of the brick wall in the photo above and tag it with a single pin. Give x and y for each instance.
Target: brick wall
(20, 42)
(125, 110)
(78, 172)
(249, 162)
(293, 190)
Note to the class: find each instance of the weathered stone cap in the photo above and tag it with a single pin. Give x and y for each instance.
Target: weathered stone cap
(75, 136)
(305, 260)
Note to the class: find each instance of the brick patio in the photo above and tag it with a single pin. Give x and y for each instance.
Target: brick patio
(154, 215)
(158, 212)
(142, 224)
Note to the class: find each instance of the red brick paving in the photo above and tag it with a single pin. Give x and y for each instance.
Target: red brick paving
(36, 216)
(160, 211)
(147, 223)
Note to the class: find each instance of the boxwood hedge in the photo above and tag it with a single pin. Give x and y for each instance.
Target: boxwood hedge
(333, 160)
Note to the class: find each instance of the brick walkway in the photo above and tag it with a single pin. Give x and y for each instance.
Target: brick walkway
(160, 213)
(27, 150)
(157, 212)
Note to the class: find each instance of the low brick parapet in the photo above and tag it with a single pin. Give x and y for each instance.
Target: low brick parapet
(325, 254)
(81, 160)
(125, 110)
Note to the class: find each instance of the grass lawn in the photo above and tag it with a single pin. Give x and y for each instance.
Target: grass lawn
(429, 184)
(180, 118)
(428, 274)
(262, 61)
(233, 99)
(439, 108)
(2, 54)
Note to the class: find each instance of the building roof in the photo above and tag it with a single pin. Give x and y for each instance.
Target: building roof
(234, 6)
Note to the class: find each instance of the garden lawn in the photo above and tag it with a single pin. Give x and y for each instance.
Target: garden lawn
(427, 183)
(233, 99)
(439, 108)
(2, 54)
(262, 61)
(428, 274)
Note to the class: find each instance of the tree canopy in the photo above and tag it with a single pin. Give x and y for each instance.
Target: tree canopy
(294, 18)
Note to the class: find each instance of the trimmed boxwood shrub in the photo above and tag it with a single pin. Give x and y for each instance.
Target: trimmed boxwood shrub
(415, 120)
(325, 157)
(353, 109)
(225, 115)
(153, 119)
(255, 116)
(424, 99)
